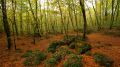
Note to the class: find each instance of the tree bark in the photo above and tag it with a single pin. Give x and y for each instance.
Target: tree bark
(84, 17)
(6, 24)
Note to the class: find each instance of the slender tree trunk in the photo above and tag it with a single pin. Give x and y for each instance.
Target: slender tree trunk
(21, 20)
(14, 19)
(6, 24)
(112, 16)
(34, 29)
(84, 17)
(62, 21)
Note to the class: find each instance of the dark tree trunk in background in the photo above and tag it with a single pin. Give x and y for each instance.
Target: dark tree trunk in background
(5, 23)
(84, 17)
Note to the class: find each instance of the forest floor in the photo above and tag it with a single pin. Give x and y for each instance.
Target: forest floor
(106, 44)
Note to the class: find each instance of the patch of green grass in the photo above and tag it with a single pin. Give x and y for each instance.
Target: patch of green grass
(73, 61)
(103, 60)
(33, 58)
(84, 48)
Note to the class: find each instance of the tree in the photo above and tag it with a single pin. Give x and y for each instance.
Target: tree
(5, 23)
(84, 17)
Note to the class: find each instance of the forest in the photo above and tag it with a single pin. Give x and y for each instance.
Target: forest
(59, 33)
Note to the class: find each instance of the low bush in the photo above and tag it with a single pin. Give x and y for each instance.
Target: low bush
(52, 47)
(33, 58)
(73, 61)
(103, 60)
(61, 53)
(64, 50)
(72, 45)
(69, 39)
(84, 48)
(88, 53)
(57, 56)
(27, 54)
(51, 62)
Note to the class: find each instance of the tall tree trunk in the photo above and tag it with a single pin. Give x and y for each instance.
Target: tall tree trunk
(21, 19)
(14, 19)
(62, 20)
(6, 24)
(84, 17)
(34, 26)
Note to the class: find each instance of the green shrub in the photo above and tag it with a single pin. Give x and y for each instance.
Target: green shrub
(64, 50)
(72, 45)
(51, 62)
(61, 53)
(73, 61)
(60, 43)
(28, 54)
(88, 53)
(57, 56)
(33, 58)
(103, 60)
(84, 48)
(52, 47)
(69, 39)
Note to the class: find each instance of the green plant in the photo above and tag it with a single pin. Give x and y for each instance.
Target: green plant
(103, 60)
(73, 61)
(27, 54)
(69, 39)
(51, 62)
(57, 56)
(64, 50)
(88, 53)
(72, 45)
(33, 58)
(84, 48)
(52, 47)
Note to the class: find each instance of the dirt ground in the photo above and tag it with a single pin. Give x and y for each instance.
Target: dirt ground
(106, 44)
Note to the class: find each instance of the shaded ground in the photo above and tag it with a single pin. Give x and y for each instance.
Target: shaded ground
(108, 45)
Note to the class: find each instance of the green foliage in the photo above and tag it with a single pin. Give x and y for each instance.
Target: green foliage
(88, 53)
(72, 45)
(33, 58)
(73, 61)
(61, 53)
(69, 39)
(84, 48)
(57, 56)
(52, 47)
(64, 51)
(27, 54)
(51, 62)
(103, 60)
